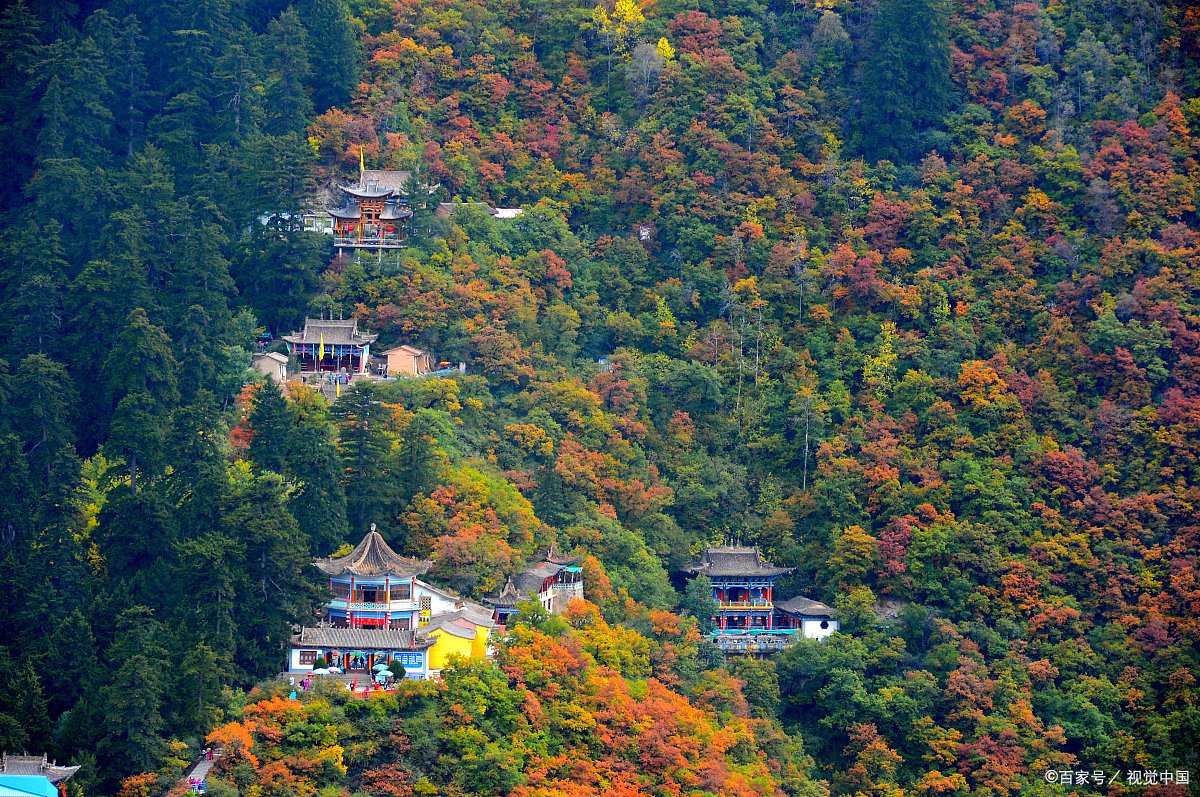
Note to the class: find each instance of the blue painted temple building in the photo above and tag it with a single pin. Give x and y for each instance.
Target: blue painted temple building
(375, 587)
(743, 585)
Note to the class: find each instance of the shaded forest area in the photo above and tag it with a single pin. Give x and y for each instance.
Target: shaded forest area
(904, 292)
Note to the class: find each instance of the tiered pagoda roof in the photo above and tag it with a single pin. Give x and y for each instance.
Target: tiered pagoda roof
(731, 561)
(335, 332)
(35, 765)
(373, 557)
(378, 184)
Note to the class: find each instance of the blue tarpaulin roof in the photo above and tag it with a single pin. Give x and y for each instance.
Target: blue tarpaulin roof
(26, 786)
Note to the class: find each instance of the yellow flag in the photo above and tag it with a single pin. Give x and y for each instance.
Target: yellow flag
(362, 162)
(322, 357)
(337, 391)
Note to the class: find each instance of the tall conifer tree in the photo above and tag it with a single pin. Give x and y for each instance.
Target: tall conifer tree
(906, 89)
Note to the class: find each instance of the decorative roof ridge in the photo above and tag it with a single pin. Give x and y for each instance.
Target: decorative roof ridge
(509, 595)
(556, 557)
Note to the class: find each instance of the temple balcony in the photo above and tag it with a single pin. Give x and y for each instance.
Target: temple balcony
(756, 603)
(753, 641)
(376, 606)
(369, 243)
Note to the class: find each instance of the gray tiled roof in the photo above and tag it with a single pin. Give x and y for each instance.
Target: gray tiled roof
(35, 765)
(731, 560)
(386, 178)
(362, 638)
(804, 607)
(373, 557)
(394, 213)
(351, 212)
(334, 331)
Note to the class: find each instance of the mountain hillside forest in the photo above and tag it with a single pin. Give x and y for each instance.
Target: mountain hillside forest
(904, 292)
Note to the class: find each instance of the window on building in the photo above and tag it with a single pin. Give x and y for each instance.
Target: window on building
(308, 657)
(402, 592)
(341, 591)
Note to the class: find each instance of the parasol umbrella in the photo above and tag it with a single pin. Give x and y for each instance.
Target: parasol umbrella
(384, 674)
(321, 671)
(380, 666)
(337, 670)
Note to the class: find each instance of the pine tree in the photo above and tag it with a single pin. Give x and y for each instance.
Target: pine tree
(271, 423)
(275, 590)
(209, 571)
(289, 108)
(196, 450)
(35, 310)
(70, 660)
(364, 442)
(319, 504)
(197, 692)
(121, 45)
(132, 702)
(15, 521)
(332, 51)
(906, 89)
(141, 362)
(194, 349)
(422, 451)
(75, 121)
(239, 96)
(277, 272)
(137, 435)
(45, 401)
(20, 50)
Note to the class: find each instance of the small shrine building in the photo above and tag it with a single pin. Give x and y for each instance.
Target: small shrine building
(811, 618)
(555, 581)
(331, 345)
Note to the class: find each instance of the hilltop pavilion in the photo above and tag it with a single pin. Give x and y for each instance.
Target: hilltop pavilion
(373, 212)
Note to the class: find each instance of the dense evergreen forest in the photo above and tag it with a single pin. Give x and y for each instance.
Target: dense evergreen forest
(905, 292)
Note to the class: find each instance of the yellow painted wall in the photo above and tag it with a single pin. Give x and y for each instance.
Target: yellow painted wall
(479, 646)
(446, 645)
